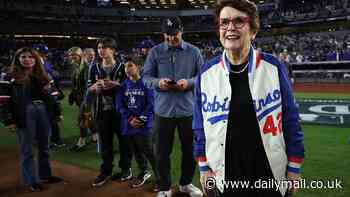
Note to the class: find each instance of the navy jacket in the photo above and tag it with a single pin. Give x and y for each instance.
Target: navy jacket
(135, 100)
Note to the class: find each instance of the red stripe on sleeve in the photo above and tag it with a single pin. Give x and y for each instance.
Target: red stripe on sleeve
(202, 159)
(296, 159)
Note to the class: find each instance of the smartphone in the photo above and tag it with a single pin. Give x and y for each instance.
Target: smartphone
(171, 82)
(143, 119)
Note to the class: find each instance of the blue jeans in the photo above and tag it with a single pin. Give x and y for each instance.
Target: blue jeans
(37, 128)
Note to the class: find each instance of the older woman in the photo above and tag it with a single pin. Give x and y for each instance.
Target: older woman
(27, 111)
(246, 121)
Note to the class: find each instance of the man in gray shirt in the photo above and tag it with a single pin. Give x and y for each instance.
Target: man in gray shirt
(170, 69)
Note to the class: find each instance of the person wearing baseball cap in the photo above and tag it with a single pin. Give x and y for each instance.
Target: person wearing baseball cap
(170, 69)
(172, 26)
(145, 46)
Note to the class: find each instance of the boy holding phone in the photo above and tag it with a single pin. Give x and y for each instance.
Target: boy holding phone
(104, 80)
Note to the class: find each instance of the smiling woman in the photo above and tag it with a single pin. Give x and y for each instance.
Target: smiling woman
(237, 28)
(246, 122)
(27, 60)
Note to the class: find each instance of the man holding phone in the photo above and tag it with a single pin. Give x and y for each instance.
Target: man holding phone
(170, 69)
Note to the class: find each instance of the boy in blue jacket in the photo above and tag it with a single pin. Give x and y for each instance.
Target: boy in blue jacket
(135, 103)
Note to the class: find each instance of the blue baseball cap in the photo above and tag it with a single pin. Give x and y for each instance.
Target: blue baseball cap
(148, 43)
(42, 48)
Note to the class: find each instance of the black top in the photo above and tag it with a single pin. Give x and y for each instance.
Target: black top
(35, 90)
(23, 94)
(105, 100)
(245, 156)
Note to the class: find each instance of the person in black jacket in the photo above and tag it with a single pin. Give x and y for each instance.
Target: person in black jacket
(104, 81)
(29, 101)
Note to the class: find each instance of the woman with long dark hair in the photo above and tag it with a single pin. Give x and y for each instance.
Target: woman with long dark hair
(28, 110)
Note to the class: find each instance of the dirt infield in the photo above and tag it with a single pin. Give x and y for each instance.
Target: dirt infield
(322, 88)
(77, 182)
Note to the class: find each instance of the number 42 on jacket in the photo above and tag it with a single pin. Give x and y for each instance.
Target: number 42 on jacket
(273, 126)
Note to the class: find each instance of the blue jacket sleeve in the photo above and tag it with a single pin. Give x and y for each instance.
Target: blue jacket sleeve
(198, 130)
(293, 133)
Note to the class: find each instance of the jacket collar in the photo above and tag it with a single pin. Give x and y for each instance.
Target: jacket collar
(181, 47)
(252, 60)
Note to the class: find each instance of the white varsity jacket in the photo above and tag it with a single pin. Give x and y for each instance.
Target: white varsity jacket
(276, 113)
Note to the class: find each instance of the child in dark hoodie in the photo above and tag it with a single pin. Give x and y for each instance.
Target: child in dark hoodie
(135, 103)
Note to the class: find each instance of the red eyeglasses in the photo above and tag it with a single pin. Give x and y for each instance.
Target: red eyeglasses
(237, 22)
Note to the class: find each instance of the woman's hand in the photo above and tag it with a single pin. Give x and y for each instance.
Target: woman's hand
(291, 176)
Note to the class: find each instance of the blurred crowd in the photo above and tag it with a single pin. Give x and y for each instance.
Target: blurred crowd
(308, 47)
(309, 10)
(290, 48)
(312, 6)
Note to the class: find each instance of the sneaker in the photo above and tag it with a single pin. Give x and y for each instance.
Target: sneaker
(57, 145)
(53, 146)
(124, 175)
(77, 148)
(60, 144)
(35, 187)
(141, 179)
(51, 179)
(164, 193)
(190, 189)
(100, 180)
(156, 187)
(94, 138)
